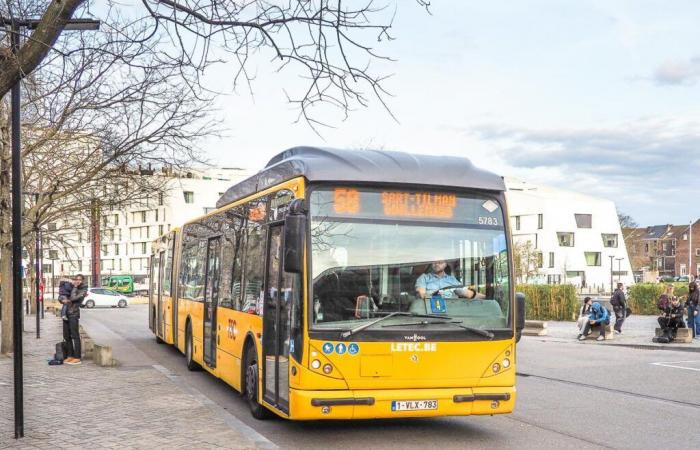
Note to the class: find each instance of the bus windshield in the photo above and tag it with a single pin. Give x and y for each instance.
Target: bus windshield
(440, 259)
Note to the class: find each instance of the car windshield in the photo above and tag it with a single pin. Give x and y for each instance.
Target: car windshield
(376, 252)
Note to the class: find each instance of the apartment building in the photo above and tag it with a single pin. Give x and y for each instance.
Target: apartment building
(126, 233)
(577, 238)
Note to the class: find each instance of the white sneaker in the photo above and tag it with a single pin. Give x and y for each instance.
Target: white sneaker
(600, 338)
(581, 337)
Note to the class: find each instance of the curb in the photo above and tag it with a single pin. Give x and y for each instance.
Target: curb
(658, 347)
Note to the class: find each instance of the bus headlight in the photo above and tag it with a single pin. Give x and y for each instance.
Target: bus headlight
(496, 367)
(315, 364)
(327, 369)
(505, 363)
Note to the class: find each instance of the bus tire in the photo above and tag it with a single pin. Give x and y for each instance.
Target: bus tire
(251, 385)
(159, 340)
(189, 350)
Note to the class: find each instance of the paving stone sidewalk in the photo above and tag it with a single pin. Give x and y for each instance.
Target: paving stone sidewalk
(91, 407)
(637, 331)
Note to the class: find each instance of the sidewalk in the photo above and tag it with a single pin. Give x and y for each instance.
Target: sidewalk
(637, 332)
(94, 407)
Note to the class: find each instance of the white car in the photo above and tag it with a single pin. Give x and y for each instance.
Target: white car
(104, 297)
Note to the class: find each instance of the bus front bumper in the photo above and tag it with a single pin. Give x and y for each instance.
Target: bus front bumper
(400, 403)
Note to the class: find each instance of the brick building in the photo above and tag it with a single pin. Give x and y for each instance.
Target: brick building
(683, 264)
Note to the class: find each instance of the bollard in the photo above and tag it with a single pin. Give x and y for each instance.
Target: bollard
(88, 348)
(535, 328)
(102, 355)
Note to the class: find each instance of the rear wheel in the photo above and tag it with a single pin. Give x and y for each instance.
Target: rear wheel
(189, 350)
(90, 304)
(251, 386)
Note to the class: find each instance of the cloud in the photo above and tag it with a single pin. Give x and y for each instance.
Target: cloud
(650, 168)
(677, 72)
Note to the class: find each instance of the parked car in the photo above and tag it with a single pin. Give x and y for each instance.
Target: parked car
(683, 279)
(105, 297)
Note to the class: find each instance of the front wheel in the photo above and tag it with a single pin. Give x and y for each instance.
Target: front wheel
(251, 386)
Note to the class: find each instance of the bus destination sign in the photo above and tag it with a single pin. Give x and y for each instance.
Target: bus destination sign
(433, 205)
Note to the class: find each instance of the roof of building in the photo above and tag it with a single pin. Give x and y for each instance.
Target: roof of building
(365, 166)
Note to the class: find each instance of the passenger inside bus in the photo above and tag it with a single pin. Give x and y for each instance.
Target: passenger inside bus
(440, 277)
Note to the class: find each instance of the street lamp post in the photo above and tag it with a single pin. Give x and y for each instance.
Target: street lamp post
(611, 272)
(15, 25)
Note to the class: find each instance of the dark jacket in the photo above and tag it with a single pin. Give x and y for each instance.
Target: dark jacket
(618, 299)
(64, 289)
(693, 296)
(76, 298)
(673, 312)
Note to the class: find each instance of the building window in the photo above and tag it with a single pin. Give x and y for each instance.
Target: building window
(685, 236)
(160, 199)
(646, 248)
(104, 249)
(540, 260)
(664, 246)
(116, 249)
(684, 270)
(697, 252)
(160, 230)
(156, 215)
(584, 220)
(551, 260)
(143, 216)
(540, 221)
(143, 248)
(610, 240)
(517, 222)
(116, 220)
(52, 226)
(592, 258)
(189, 196)
(565, 239)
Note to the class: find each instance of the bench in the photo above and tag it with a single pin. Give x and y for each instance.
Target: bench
(609, 334)
(683, 335)
(102, 355)
(535, 328)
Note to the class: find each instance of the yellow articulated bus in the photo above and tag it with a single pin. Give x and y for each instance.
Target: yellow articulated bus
(338, 284)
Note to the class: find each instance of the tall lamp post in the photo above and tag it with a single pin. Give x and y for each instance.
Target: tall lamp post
(15, 26)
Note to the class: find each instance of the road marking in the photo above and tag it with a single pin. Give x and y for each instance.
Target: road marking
(232, 421)
(674, 365)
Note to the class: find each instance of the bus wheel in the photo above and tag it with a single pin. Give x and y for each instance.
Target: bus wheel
(189, 354)
(251, 386)
(159, 340)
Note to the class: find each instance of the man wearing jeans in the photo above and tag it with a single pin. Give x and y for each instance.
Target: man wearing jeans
(619, 304)
(71, 327)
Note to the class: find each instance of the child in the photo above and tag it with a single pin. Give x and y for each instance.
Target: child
(65, 288)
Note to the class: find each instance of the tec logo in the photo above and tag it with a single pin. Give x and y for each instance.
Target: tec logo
(327, 348)
(340, 348)
(231, 329)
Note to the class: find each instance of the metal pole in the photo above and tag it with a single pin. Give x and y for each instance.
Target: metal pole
(611, 273)
(690, 248)
(17, 249)
(53, 279)
(37, 269)
(41, 265)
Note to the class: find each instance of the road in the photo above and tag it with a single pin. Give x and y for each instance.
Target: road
(570, 395)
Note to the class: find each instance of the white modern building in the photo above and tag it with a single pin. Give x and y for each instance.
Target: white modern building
(576, 238)
(126, 233)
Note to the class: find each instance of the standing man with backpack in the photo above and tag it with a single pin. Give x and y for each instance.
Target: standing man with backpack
(71, 327)
(619, 304)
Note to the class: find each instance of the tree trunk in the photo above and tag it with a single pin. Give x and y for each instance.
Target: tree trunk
(5, 245)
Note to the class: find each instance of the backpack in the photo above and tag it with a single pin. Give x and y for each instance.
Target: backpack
(61, 352)
(615, 299)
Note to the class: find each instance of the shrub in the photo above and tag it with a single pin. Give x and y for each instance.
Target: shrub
(550, 302)
(643, 296)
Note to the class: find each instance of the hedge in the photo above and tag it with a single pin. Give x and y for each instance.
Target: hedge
(643, 296)
(550, 302)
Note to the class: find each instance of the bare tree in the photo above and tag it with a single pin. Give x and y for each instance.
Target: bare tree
(525, 261)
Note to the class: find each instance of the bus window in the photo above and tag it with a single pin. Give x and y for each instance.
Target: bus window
(230, 292)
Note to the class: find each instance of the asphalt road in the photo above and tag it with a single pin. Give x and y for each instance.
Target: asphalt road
(570, 395)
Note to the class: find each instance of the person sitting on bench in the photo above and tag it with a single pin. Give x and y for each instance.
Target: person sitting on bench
(597, 320)
(670, 321)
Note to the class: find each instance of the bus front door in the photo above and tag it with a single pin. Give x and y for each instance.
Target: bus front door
(211, 299)
(276, 317)
(159, 293)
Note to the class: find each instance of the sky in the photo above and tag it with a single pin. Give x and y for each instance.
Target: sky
(599, 97)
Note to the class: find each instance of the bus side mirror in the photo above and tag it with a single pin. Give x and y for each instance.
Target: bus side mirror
(519, 315)
(294, 237)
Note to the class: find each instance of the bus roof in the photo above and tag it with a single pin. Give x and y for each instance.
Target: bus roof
(364, 166)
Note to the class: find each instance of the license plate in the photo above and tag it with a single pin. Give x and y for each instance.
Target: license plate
(413, 405)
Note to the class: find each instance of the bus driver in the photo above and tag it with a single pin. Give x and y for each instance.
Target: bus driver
(439, 279)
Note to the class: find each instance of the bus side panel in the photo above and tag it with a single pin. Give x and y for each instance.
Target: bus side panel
(167, 319)
(196, 315)
(233, 328)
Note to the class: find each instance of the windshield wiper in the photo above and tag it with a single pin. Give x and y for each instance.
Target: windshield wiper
(458, 323)
(359, 328)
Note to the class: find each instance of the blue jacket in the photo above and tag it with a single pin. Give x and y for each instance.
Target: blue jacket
(598, 313)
